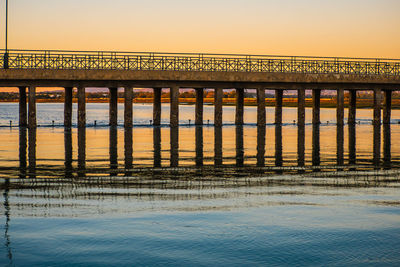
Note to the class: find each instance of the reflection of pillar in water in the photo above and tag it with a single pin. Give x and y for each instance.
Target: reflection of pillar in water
(81, 151)
(261, 146)
(278, 145)
(174, 141)
(22, 152)
(32, 151)
(218, 146)
(352, 144)
(377, 126)
(128, 150)
(68, 152)
(386, 146)
(316, 160)
(157, 146)
(239, 146)
(340, 144)
(386, 128)
(113, 150)
(301, 102)
(199, 146)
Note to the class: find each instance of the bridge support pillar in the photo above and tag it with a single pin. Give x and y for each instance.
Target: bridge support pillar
(261, 106)
(301, 103)
(128, 95)
(157, 107)
(113, 109)
(239, 106)
(174, 110)
(316, 106)
(278, 106)
(377, 126)
(22, 106)
(339, 128)
(68, 107)
(199, 106)
(218, 95)
(32, 107)
(352, 106)
(340, 107)
(81, 107)
(387, 106)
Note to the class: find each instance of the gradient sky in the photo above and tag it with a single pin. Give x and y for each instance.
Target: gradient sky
(356, 28)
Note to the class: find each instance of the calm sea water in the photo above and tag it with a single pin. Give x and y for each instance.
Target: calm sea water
(104, 196)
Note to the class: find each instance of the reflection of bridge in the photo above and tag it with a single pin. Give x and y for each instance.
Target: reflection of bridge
(154, 70)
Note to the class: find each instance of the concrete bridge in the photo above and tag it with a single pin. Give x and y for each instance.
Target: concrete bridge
(81, 69)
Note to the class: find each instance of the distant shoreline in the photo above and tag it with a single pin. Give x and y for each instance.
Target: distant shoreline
(287, 102)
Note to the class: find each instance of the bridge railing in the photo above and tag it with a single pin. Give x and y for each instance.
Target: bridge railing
(89, 60)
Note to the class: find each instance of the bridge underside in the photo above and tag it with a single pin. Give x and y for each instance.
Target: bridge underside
(194, 79)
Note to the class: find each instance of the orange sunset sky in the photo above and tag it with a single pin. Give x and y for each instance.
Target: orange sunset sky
(354, 28)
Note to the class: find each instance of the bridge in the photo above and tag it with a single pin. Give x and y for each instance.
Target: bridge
(81, 69)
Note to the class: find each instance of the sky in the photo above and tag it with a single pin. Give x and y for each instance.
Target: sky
(354, 28)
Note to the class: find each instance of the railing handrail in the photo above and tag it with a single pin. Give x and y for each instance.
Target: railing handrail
(255, 56)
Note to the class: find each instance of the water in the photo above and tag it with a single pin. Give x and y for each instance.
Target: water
(105, 196)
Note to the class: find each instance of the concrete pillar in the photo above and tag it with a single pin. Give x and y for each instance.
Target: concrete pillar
(218, 146)
(218, 95)
(387, 106)
(81, 107)
(174, 145)
(128, 96)
(261, 106)
(239, 146)
(278, 145)
(174, 110)
(199, 106)
(68, 107)
(68, 152)
(32, 107)
(301, 105)
(301, 95)
(316, 106)
(22, 106)
(199, 146)
(157, 106)
(128, 150)
(113, 150)
(261, 145)
(377, 126)
(157, 146)
(340, 107)
(377, 105)
(239, 106)
(113, 109)
(352, 106)
(278, 106)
